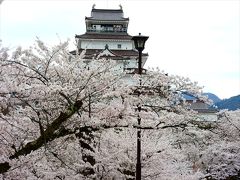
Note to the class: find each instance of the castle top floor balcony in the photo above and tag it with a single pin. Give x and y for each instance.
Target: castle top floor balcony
(107, 29)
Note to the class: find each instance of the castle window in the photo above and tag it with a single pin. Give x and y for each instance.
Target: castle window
(119, 46)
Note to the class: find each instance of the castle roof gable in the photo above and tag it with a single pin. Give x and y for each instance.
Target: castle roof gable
(107, 14)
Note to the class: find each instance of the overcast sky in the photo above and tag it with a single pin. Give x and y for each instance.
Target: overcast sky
(193, 38)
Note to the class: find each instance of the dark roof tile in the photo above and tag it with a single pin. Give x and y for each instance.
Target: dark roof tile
(107, 14)
(123, 36)
(123, 53)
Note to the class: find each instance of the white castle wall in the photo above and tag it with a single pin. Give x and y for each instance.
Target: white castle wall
(97, 44)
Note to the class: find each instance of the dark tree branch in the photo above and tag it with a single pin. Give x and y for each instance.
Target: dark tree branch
(4, 167)
(48, 135)
(66, 97)
(36, 71)
(228, 119)
(49, 60)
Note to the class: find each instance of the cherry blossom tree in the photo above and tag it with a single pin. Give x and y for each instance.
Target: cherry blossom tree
(45, 94)
(220, 158)
(66, 117)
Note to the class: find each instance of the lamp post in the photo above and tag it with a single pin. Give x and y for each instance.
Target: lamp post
(139, 42)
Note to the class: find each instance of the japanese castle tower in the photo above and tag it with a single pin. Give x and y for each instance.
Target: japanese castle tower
(107, 37)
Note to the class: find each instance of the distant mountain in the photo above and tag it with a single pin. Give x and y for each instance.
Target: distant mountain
(232, 103)
(213, 97)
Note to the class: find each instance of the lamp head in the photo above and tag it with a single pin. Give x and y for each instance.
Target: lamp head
(139, 41)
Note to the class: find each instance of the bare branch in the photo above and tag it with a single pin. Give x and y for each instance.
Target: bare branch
(36, 71)
(67, 98)
(228, 119)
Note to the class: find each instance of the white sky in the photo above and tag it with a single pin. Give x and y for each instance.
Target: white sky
(193, 38)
